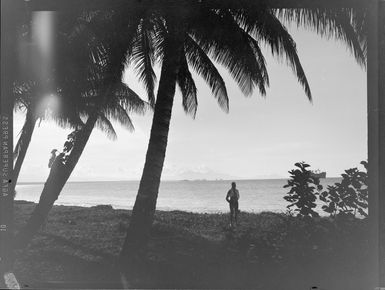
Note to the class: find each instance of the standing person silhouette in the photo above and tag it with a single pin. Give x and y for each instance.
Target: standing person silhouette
(232, 198)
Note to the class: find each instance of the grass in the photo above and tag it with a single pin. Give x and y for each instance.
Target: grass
(79, 248)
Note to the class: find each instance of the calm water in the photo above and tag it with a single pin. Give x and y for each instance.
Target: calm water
(195, 196)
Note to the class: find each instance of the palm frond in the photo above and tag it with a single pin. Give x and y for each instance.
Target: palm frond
(128, 99)
(116, 36)
(143, 56)
(345, 24)
(118, 100)
(159, 36)
(105, 126)
(202, 64)
(264, 26)
(118, 113)
(23, 94)
(187, 86)
(66, 121)
(262, 64)
(263, 76)
(360, 23)
(220, 37)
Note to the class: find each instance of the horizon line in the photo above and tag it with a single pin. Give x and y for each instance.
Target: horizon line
(172, 180)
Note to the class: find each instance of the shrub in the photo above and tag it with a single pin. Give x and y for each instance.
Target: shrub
(348, 197)
(304, 188)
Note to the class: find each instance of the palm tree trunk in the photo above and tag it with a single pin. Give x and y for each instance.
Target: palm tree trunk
(56, 180)
(23, 143)
(143, 212)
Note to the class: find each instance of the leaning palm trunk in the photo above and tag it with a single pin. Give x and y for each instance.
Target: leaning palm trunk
(22, 145)
(143, 212)
(56, 180)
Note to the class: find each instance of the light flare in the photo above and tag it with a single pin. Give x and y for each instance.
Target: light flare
(49, 103)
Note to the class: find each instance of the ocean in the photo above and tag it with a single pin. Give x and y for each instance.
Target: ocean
(194, 196)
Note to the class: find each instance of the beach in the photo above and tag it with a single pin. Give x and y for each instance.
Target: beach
(79, 246)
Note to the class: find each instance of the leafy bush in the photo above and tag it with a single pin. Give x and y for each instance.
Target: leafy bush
(304, 190)
(348, 197)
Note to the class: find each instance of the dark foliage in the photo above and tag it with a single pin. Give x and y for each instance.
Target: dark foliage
(304, 191)
(348, 197)
(68, 145)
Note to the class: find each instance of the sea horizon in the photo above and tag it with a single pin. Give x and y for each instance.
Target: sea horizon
(201, 196)
(168, 180)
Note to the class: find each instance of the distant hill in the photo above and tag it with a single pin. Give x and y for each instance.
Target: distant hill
(269, 176)
(207, 174)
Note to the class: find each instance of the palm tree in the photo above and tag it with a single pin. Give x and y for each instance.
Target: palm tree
(30, 90)
(20, 151)
(191, 35)
(121, 100)
(102, 97)
(29, 98)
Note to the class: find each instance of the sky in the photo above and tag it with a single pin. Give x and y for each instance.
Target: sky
(260, 137)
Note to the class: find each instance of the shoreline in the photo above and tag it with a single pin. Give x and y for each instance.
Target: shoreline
(161, 209)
